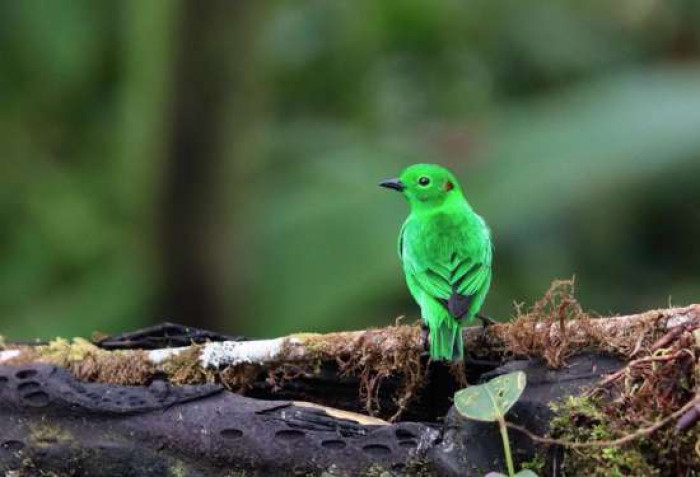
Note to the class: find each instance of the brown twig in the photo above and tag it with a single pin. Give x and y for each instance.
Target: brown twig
(645, 431)
(668, 338)
(648, 359)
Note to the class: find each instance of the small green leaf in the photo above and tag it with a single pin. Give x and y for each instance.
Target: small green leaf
(525, 473)
(492, 400)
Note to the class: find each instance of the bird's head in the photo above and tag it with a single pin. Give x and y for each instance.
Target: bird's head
(425, 185)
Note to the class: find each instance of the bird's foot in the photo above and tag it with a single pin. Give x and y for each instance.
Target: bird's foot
(485, 320)
(425, 335)
(485, 323)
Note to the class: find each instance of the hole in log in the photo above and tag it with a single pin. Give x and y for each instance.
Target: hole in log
(404, 434)
(13, 446)
(334, 444)
(231, 433)
(26, 374)
(376, 449)
(36, 398)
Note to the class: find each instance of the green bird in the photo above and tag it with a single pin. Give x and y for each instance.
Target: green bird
(445, 249)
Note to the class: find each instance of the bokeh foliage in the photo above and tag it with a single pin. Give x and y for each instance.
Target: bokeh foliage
(573, 124)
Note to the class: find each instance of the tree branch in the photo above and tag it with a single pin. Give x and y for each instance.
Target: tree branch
(385, 367)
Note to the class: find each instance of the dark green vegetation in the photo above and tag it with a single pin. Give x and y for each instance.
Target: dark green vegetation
(217, 164)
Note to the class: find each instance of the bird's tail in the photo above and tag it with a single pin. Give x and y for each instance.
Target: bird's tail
(446, 342)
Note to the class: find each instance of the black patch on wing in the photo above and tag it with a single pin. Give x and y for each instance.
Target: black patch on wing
(459, 304)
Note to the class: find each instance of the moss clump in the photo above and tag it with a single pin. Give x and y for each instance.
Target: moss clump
(585, 419)
(62, 351)
(582, 420)
(414, 468)
(368, 359)
(419, 468)
(529, 334)
(184, 367)
(537, 464)
(178, 470)
(556, 327)
(46, 434)
(114, 367)
(87, 362)
(372, 356)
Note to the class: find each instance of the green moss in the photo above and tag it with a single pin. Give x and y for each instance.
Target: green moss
(581, 419)
(376, 470)
(184, 367)
(317, 346)
(178, 470)
(537, 464)
(46, 434)
(414, 468)
(63, 351)
(419, 468)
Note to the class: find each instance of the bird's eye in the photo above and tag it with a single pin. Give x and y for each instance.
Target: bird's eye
(424, 181)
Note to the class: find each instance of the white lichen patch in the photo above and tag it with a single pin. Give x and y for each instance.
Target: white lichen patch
(8, 354)
(157, 356)
(230, 353)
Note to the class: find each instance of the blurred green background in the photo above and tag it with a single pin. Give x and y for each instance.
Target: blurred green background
(215, 163)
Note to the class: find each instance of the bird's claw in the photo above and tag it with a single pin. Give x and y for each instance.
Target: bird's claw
(485, 320)
(425, 334)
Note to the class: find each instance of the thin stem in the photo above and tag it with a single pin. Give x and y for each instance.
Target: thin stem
(506, 446)
(645, 431)
(504, 431)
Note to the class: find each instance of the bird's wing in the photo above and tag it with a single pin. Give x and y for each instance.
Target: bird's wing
(471, 278)
(457, 281)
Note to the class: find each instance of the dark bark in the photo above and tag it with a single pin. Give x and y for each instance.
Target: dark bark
(52, 423)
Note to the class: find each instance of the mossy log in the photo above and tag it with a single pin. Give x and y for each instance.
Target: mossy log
(77, 398)
(381, 371)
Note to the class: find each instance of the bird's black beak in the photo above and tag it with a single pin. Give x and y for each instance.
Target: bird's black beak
(395, 184)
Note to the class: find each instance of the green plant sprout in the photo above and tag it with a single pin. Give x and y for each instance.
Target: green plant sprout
(489, 402)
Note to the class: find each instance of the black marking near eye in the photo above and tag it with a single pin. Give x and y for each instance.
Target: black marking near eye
(424, 181)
